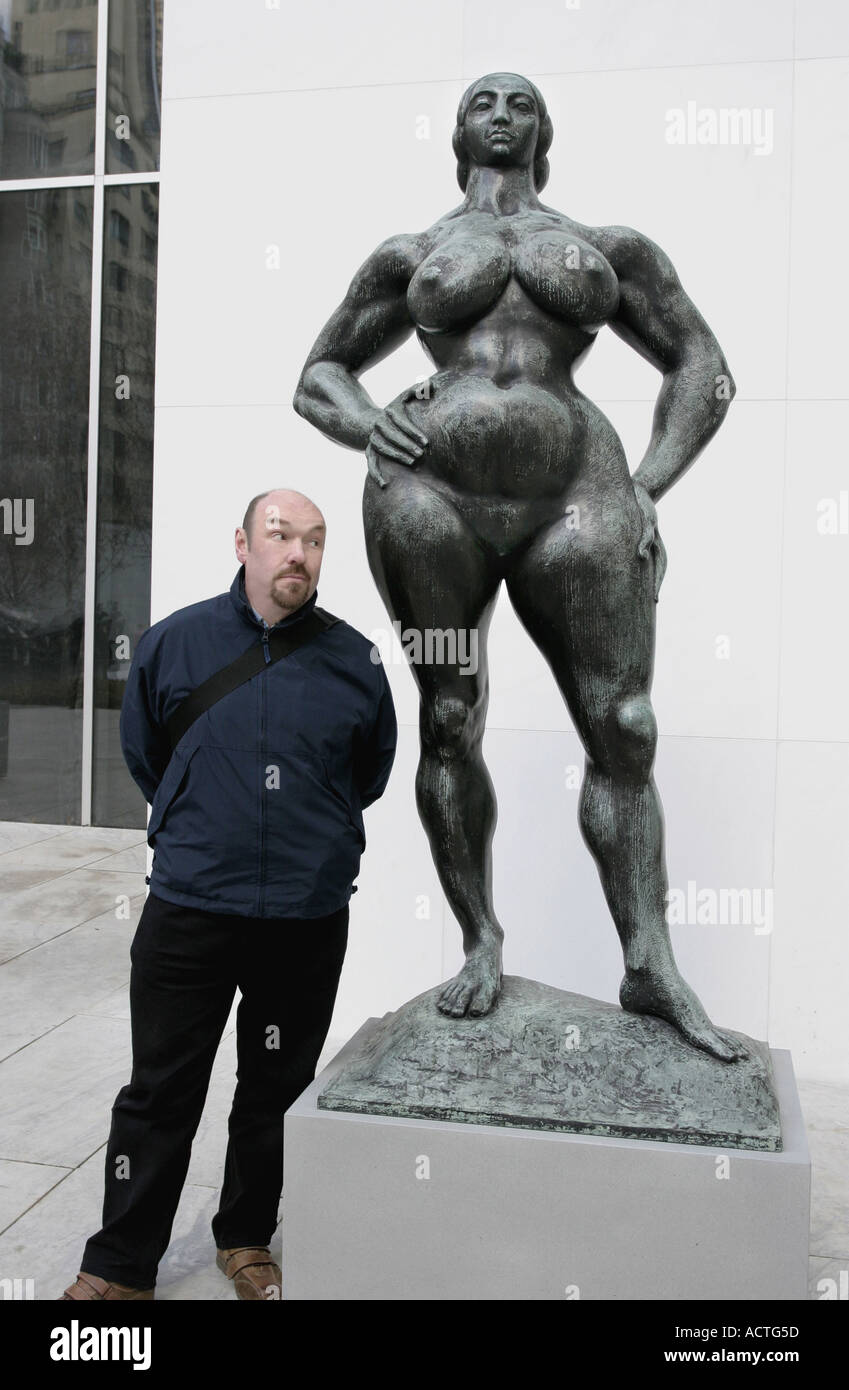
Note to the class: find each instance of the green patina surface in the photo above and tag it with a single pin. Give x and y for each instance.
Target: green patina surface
(550, 1060)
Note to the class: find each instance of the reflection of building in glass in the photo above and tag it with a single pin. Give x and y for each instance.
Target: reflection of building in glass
(133, 96)
(126, 430)
(48, 237)
(45, 305)
(48, 110)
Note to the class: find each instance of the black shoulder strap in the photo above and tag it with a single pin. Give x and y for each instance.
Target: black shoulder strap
(281, 642)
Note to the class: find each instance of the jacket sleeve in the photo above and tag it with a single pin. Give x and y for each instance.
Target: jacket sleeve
(144, 742)
(376, 754)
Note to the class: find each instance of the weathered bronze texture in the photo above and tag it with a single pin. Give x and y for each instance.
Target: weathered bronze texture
(546, 1059)
(498, 468)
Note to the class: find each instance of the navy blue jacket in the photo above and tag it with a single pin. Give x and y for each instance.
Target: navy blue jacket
(259, 809)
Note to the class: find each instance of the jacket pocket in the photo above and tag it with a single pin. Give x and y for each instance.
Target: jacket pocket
(207, 834)
(354, 815)
(171, 786)
(313, 847)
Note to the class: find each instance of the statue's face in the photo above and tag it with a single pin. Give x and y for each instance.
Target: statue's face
(502, 122)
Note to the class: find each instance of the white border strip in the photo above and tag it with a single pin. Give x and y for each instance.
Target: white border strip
(94, 409)
(152, 177)
(75, 181)
(65, 181)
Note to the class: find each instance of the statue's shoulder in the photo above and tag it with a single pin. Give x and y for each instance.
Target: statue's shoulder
(399, 256)
(631, 253)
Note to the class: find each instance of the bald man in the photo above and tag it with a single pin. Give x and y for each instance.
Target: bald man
(259, 727)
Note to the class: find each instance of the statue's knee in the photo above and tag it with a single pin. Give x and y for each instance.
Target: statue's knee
(633, 736)
(450, 725)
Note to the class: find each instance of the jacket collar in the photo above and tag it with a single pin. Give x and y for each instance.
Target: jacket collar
(243, 605)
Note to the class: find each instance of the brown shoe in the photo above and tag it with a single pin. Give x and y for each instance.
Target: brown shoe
(253, 1271)
(91, 1286)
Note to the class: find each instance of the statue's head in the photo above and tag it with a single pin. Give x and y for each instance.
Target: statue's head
(502, 121)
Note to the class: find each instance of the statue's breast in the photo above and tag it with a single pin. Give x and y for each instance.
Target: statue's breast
(458, 281)
(567, 276)
(465, 275)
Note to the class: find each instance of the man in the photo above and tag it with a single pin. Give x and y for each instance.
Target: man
(257, 831)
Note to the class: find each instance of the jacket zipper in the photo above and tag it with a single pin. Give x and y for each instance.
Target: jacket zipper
(262, 787)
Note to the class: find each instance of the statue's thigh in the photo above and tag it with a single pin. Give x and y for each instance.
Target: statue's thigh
(430, 568)
(586, 597)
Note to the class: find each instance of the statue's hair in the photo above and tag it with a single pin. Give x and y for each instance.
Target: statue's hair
(544, 138)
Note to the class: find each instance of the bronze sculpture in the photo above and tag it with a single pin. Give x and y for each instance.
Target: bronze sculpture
(499, 468)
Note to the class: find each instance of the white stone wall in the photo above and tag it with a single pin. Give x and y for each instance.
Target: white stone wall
(299, 128)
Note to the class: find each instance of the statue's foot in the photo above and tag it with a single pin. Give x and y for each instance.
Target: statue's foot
(475, 989)
(666, 995)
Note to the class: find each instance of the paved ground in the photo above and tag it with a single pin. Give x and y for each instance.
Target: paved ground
(70, 901)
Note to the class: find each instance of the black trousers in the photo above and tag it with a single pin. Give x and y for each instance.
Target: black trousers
(186, 966)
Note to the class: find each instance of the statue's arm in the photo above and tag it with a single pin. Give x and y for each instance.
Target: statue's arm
(658, 319)
(371, 322)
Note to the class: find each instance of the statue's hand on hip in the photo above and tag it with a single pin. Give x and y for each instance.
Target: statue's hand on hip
(394, 436)
(650, 541)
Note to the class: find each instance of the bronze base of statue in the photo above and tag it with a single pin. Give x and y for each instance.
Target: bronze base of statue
(547, 1059)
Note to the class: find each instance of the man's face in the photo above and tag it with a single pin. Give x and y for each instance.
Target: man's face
(283, 563)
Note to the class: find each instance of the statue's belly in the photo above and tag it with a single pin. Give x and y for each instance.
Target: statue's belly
(516, 441)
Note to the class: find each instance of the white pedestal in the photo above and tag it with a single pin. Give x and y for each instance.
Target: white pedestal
(377, 1207)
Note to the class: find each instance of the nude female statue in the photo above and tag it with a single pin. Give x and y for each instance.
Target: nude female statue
(499, 468)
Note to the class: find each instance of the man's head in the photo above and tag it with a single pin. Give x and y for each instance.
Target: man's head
(281, 545)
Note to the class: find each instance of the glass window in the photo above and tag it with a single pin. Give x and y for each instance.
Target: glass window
(134, 86)
(117, 276)
(125, 486)
(47, 81)
(119, 227)
(45, 308)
